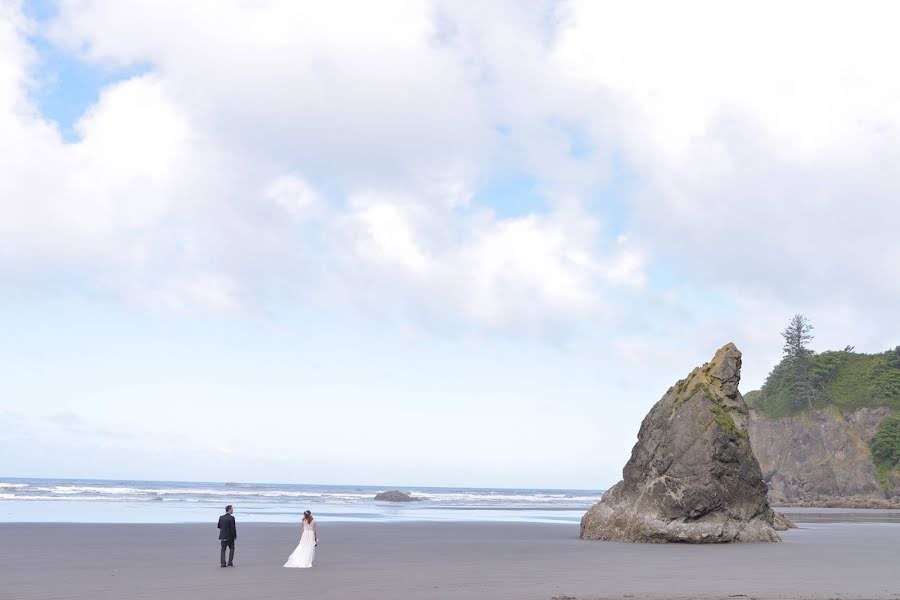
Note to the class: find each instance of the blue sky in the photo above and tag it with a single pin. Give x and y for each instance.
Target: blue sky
(437, 245)
(65, 85)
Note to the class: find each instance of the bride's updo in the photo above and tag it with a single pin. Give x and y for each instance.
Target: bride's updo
(307, 516)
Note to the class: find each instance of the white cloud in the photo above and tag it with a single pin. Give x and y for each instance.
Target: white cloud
(387, 234)
(811, 77)
(761, 135)
(190, 186)
(347, 89)
(62, 201)
(295, 196)
(277, 145)
(523, 272)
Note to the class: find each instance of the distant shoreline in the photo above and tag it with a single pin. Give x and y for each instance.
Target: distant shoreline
(118, 501)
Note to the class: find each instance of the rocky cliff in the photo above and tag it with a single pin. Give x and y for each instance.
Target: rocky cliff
(822, 458)
(692, 476)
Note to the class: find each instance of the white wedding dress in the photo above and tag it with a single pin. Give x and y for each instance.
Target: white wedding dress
(303, 555)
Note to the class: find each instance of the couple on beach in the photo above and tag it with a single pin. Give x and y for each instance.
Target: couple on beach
(301, 558)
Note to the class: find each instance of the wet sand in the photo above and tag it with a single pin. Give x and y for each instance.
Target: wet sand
(438, 560)
(841, 515)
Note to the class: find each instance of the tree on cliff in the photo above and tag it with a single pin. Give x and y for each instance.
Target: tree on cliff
(797, 336)
(885, 445)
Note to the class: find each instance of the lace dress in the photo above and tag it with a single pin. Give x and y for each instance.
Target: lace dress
(303, 555)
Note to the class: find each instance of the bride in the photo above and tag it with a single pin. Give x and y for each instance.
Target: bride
(303, 555)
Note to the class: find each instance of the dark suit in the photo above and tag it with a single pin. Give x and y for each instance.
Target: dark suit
(227, 534)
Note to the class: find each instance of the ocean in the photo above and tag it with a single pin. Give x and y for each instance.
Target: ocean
(123, 501)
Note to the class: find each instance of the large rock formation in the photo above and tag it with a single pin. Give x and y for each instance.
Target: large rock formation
(822, 458)
(692, 476)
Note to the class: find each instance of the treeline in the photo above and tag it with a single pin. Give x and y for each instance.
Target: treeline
(885, 447)
(844, 378)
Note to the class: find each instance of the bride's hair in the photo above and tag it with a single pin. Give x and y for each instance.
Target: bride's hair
(307, 516)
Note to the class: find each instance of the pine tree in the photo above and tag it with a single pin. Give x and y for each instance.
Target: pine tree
(797, 336)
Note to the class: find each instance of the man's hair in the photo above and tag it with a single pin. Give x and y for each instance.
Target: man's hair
(227, 508)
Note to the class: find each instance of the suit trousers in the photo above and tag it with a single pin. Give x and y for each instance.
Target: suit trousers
(230, 545)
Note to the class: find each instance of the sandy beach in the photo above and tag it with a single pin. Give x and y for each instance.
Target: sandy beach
(438, 560)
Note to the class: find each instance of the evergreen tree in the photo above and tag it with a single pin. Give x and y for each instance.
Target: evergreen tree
(797, 336)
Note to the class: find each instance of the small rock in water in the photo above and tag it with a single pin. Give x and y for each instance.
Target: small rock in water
(396, 496)
(782, 523)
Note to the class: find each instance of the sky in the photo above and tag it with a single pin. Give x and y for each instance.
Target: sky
(423, 242)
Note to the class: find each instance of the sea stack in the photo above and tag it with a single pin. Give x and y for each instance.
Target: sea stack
(396, 496)
(692, 476)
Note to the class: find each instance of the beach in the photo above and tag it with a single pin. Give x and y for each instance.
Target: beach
(417, 560)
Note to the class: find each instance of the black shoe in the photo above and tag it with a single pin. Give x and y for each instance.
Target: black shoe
(223, 566)
(230, 565)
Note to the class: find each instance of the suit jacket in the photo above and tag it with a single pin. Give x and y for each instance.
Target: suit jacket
(227, 527)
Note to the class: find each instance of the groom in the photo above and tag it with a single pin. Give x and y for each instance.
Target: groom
(227, 535)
